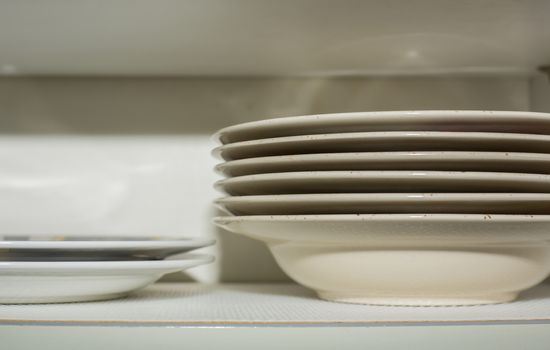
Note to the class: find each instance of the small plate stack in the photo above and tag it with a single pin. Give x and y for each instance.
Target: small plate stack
(70, 269)
(396, 208)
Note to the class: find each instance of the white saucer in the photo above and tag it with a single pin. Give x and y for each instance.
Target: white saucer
(461, 161)
(54, 282)
(445, 120)
(62, 248)
(383, 181)
(385, 142)
(361, 203)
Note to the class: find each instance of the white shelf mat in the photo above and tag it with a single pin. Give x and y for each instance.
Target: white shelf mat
(273, 304)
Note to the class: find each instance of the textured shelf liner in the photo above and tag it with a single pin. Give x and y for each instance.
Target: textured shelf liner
(273, 304)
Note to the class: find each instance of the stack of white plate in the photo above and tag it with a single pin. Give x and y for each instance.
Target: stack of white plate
(65, 269)
(399, 208)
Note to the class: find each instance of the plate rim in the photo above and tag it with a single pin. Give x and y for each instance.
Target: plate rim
(455, 156)
(346, 136)
(477, 218)
(380, 196)
(107, 246)
(401, 174)
(141, 265)
(434, 114)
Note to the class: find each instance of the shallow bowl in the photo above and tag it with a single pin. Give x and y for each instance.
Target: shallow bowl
(417, 260)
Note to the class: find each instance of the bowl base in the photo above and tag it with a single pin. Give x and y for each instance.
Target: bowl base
(450, 300)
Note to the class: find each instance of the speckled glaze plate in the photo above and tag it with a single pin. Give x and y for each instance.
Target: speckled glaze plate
(435, 120)
(361, 203)
(383, 181)
(458, 161)
(403, 141)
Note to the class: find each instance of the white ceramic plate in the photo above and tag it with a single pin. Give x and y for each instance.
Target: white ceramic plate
(361, 203)
(383, 181)
(490, 121)
(403, 259)
(384, 142)
(63, 281)
(461, 161)
(63, 248)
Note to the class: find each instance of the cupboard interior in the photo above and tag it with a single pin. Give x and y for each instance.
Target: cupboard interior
(131, 155)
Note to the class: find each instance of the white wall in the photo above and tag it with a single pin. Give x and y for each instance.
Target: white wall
(540, 92)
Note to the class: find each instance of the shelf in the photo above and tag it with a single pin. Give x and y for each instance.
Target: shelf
(180, 304)
(270, 316)
(287, 37)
